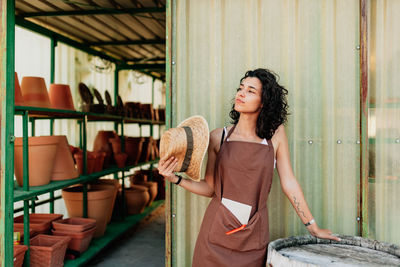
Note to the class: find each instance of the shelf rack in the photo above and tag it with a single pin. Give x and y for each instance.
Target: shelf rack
(17, 12)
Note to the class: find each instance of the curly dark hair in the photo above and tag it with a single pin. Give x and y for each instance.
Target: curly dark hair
(274, 110)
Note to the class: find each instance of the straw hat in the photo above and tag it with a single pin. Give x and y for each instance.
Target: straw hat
(188, 143)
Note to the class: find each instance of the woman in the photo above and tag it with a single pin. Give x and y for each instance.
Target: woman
(241, 159)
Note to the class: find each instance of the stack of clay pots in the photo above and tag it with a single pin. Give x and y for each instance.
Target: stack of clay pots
(100, 197)
(80, 230)
(50, 159)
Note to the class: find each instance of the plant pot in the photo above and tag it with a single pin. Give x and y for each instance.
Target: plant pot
(133, 147)
(64, 167)
(101, 143)
(60, 96)
(79, 240)
(42, 154)
(146, 149)
(147, 111)
(116, 186)
(90, 162)
(19, 254)
(99, 199)
(48, 250)
(74, 225)
(137, 198)
(160, 180)
(19, 227)
(40, 222)
(152, 187)
(100, 156)
(115, 144)
(34, 92)
(120, 159)
(18, 100)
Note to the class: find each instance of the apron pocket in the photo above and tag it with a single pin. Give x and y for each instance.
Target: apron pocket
(251, 237)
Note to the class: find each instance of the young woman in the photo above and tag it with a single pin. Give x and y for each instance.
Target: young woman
(241, 160)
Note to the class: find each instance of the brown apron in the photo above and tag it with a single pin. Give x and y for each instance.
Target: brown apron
(243, 173)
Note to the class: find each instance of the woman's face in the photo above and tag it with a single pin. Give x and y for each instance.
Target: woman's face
(248, 96)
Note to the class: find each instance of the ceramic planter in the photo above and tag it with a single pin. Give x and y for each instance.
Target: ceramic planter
(90, 162)
(100, 201)
(42, 155)
(152, 187)
(101, 143)
(137, 198)
(34, 92)
(79, 240)
(114, 183)
(146, 149)
(100, 156)
(19, 254)
(39, 222)
(48, 250)
(74, 225)
(64, 167)
(120, 159)
(60, 96)
(19, 100)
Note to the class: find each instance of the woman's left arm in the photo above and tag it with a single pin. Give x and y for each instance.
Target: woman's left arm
(291, 187)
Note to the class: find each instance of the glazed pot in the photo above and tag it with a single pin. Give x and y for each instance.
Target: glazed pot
(101, 143)
(100, 199)
(60, 96)
(120, 159)
(152, 188)
(34, 92)
(114, 183)
(90, 162)
(100, 156)
(137, 198)
(42, 155)
(64, 167)
(19, 100)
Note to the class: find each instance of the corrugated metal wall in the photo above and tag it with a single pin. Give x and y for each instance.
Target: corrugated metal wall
(312, 45)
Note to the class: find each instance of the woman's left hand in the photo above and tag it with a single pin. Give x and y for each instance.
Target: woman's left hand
(321, 233)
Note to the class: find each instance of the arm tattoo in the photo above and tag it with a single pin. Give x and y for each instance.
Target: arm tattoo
(297, 204)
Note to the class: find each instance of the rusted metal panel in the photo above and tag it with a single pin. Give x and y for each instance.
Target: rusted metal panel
(7, 40)
(364, 166)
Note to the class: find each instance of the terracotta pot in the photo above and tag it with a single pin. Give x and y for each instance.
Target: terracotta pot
(116, 186)
(19, 228)
(147, 111)
(116, 145)
(159, 179)
(100, 199)
(34, 92)
(79, 240)
(146, 149)
(101, 143)
(40, 222)
(19, 255)
(90, 162)
(152, 187)
(133, 147)
(42, 154)
(64, 167)
(137, 198)
(100, 156)
(60, 96)
(74, 224)
(120, 159)
(18, 100)
(48, 250)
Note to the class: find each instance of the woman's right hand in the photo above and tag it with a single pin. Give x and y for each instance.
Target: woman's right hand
(166, 168)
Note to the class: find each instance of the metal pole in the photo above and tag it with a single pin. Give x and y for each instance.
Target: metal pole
(7, 53)
(52, 58)
(84, 125)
